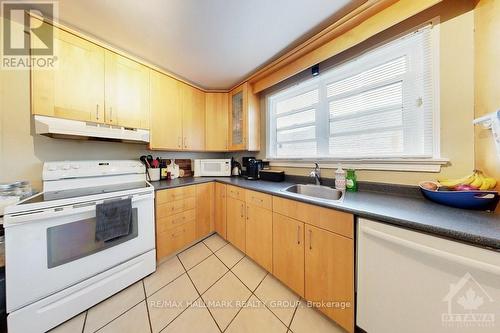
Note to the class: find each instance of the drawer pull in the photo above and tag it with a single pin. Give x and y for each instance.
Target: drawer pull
(175, 234)
(298, 234)
(310, 239)
(179, 220)
(257, 199)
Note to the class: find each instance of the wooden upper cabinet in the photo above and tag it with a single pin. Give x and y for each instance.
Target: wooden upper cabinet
(126, 92)
(244, 119)
(216, 121)
(74, 89)
(166, 115)
(329, 273)
(193, 117)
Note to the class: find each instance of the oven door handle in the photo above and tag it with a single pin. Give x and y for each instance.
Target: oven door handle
(59, 212)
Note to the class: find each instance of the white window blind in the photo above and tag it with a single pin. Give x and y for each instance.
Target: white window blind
(378, 105)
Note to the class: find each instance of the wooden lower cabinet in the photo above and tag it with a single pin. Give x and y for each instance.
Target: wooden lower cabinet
(174, 239)
(308, 248)
(220, 209)
(259, 235)
(181, 217)
(236, 216)
(329, 274)
(204, 209)
(288, 252)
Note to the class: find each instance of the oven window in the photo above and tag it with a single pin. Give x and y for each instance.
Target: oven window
(72, 241)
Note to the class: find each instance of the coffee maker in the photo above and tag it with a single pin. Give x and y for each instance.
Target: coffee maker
(253, 168)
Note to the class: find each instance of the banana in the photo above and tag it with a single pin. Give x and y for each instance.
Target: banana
(486, 184)
(478, 180)
(460, 181)
(492, 182)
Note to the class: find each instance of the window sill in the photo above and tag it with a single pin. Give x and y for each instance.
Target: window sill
(397, 164)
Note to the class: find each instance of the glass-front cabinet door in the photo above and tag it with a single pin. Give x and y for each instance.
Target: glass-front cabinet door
(237, 119)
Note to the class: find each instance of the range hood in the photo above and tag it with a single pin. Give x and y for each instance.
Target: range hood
(65, 128)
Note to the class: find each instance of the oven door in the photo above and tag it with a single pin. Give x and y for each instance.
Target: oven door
(49, 250)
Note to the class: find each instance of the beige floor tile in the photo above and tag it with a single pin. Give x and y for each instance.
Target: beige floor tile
(165, 273)
(229, 255)
(75, 324)
(104, 312)
(278, 298)
(255, 317)
(249, 272)
(225, 298)
(194, 255)
(308, 319)
(207, 272)
(134, 320)
(170, 301)
(195, 319)
(214, 242)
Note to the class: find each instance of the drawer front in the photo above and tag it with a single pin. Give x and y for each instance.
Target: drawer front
(173, 239)
(175, 220)
(325, 218)
(174, 207)
(174, 194)
(236, 192)
(259, 199)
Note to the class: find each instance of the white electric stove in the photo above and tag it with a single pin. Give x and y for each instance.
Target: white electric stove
(55, 267)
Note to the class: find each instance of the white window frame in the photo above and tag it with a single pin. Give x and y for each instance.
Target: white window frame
(424, 164)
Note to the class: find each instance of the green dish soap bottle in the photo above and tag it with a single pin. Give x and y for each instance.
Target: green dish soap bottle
(351, 181)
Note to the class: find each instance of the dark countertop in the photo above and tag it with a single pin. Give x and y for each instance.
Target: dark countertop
(405, 210)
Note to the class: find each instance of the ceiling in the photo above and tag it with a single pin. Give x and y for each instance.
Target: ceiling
(212, 43)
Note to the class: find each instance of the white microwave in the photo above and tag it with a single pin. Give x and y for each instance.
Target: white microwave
(212, 167)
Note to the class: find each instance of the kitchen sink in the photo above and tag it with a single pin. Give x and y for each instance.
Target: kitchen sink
(316, 191)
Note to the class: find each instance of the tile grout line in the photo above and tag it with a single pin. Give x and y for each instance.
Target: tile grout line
(265, 305)
(147, 307)
(85, 320)
(200, 294)
(293, 316)
(295, 309)
(175, 278)
(210, 313)
(121, 314)
(237, 312)
(178, 315)
(251, 291)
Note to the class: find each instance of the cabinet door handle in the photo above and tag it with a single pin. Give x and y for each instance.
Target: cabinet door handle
(242, 210)
(97, 112)
(185, 142)
(310, 239)
(179, 143)
(298, 234)
(111, 114)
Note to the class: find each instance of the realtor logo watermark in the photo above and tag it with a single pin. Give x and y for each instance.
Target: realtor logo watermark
(27, 38)
(468, 305)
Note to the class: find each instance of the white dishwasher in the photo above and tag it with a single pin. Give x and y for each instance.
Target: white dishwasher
(412, 282)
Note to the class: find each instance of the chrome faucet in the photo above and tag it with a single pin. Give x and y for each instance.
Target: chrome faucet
(316, 173)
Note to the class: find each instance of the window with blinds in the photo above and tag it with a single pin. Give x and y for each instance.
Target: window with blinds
(378, 105)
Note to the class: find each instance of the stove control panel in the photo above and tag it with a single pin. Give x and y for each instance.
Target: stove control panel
(80, 169)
